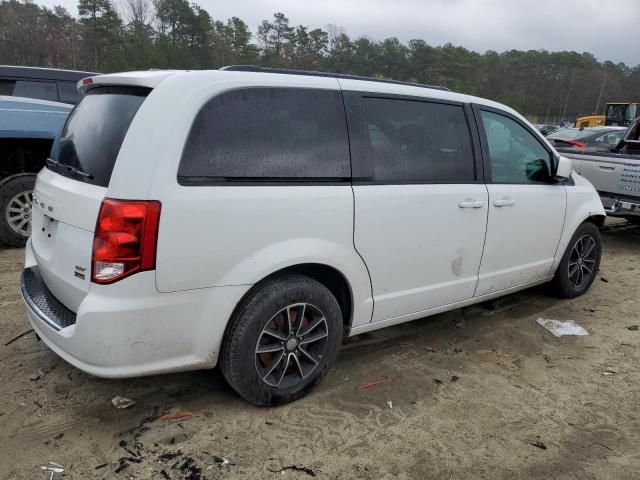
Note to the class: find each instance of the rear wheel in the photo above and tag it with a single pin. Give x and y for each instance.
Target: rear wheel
(16, 194)
(282, 340)
(580, 262)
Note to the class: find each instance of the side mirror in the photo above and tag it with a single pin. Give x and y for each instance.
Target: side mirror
(563, 169)
(538, 170)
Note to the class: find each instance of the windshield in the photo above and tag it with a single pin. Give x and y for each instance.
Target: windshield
(616, 112)
(94, 132)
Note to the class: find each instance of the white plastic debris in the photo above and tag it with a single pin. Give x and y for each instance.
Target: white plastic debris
(560, 329)
(122, 402)
(390, 403)
(53, 468)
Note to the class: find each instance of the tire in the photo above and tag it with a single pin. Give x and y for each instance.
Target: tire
(283, 370)
(16, 192)
(573, 276)
(633, 220)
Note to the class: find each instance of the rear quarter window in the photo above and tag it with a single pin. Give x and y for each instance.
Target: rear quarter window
(255, 134)
(68, 92)
(36, 89)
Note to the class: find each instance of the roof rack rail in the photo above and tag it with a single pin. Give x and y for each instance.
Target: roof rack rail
(311, 73)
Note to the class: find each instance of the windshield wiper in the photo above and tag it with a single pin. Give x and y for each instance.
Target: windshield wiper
(73, 170)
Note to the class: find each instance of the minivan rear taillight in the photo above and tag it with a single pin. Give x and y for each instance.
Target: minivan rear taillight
(125, 239)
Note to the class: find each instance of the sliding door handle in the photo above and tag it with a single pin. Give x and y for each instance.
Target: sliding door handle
(503, 202)
(471, 203)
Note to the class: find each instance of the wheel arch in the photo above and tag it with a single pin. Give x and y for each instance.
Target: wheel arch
(23, 155)
(597, 219)
(571, 225)
(332, 278)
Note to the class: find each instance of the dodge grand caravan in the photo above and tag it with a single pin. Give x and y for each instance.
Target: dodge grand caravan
(253, 218)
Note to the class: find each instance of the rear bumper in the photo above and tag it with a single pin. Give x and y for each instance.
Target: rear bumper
(621, 207)
(41, 302)
(129, 329)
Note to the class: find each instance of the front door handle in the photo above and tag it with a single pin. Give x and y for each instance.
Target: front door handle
(503, 202)
(471, 203)
(606, 167)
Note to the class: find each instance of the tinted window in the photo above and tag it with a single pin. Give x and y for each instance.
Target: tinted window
(611, 139)
(32, 89)
(94, 132)
(6, 87)
(278, 133)
(418, 141)
(68, 92)
(516, 155)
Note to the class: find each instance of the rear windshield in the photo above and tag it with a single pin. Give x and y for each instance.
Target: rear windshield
(93, 134)
(571, 134)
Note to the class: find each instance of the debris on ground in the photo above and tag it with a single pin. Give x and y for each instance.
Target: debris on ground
(295, 468)
(189, 467)
(539, 444)
(562, 328)
(633, 327)
(390, 403)
(609, 371)
(366, 386)
(18, 337)
(101, 466)
(454, 378)
(53, 468)
(437, 381)
(604, 280)
(216, 460)
(176, 415)
(58, 436)
(122, 402)
(36, 375)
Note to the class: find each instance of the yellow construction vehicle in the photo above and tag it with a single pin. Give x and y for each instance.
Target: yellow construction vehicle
(617, 114)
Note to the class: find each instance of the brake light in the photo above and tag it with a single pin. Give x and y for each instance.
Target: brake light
(575, 143)
(87, 81)
(125, 239)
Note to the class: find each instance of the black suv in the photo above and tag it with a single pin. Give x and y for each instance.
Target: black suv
(42, 83)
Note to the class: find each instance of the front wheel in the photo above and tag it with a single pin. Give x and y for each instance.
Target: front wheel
(16, 193)
(580, 263)
(282, 340)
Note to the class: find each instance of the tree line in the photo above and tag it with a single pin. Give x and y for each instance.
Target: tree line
(143, 34)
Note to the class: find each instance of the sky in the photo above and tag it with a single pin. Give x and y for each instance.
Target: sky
(607, 28)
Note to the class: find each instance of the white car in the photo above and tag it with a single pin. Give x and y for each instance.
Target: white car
(254, 218)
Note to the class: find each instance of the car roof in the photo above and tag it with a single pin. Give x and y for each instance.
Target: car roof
(153, 78)
(38, 73)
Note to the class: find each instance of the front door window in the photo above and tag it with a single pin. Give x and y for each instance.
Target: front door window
(516, 156)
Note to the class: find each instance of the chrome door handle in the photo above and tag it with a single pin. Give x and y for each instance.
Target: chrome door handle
(503, 202)
(471, 203)
(606, 167)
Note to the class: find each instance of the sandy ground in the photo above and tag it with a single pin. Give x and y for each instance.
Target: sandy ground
(468, 394)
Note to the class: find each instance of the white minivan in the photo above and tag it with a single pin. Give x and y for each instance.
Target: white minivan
(253, 218)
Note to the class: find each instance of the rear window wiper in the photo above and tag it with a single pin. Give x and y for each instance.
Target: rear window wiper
(69, 168)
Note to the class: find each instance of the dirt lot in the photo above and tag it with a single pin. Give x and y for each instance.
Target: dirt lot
(483, 392)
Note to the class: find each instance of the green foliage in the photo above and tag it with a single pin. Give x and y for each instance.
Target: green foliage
(177, 34)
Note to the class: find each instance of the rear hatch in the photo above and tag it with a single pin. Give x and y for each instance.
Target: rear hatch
(70, 189)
